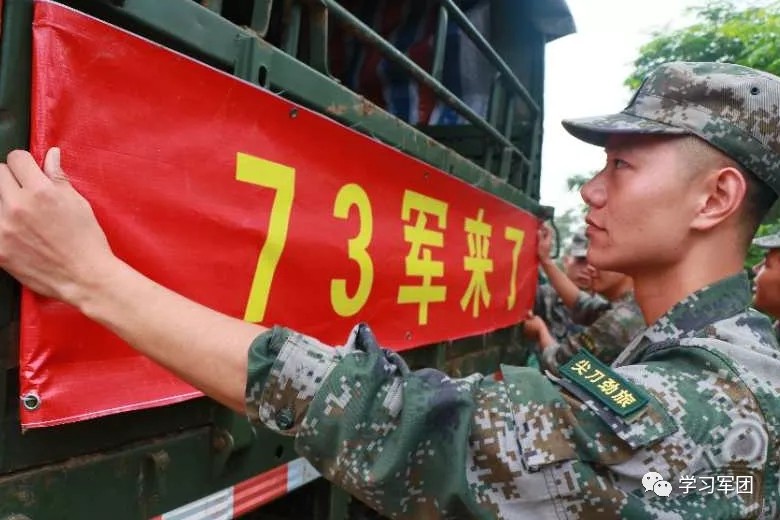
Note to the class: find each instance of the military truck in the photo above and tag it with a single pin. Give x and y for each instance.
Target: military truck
(457, 86)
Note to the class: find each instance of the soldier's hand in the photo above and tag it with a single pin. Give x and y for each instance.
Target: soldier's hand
(49, 238)
(533, 327)
(544, 243)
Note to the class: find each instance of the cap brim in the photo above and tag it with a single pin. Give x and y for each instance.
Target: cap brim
(596, 130)
(767, 242)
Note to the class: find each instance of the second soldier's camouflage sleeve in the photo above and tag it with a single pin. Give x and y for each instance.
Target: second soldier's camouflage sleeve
(596, 340)
(553, 356)
(421, 445)
(605, 338)
(588, 308)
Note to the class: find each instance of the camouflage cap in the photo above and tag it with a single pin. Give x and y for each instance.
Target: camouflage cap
(768, 242)
(734, 108)
(578, 245)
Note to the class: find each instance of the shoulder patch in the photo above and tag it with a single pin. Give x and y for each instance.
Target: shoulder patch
(603, 383)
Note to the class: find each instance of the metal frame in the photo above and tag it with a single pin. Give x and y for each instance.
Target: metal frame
(243, 52)
(507, 89)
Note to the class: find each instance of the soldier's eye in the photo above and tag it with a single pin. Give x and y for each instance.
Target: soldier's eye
(619, 163)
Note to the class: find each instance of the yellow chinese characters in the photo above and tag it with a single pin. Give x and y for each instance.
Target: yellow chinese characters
(515, 236)
(581, 367)
(607, 387)
(423, 236)
(281, 179)
(595, 376)
(624, 398)
(478, 263)
(353, 195)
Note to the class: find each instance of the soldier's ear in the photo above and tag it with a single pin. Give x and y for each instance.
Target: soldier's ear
(719, 195)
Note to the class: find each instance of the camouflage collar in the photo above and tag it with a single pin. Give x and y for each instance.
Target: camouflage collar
(711, 303)
(627, 297)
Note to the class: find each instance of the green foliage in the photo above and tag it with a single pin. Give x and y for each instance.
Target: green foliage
(567, 223)
(574, 218)
(576, 181)
(721, 32)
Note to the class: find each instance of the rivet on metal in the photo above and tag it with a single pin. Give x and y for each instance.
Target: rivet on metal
(220, 441)
(31, 401)
(285, 418)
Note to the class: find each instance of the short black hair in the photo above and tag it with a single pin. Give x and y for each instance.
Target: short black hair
(759, 197)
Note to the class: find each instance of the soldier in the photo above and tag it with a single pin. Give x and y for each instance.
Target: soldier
(549, 304)
(575, 261)
(767, 281)
(692, 164)
(612, 315)
(583, 307)
(550, 307)
(613, 323)
(567, 288)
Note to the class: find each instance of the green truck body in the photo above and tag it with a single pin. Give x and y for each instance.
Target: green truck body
(148, 463)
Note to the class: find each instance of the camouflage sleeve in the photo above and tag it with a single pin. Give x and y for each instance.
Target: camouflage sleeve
(367, 423)
(550, 357)
(285, 370)
(605, 338)
(422, 445)
(545, 294)
(588, 308)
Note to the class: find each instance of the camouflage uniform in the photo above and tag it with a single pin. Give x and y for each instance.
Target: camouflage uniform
(612, 326)
(770, 242)
(588, 308)
(693, 397)
(420, 445)
(552, 310)
(549, 305)
(565, 325)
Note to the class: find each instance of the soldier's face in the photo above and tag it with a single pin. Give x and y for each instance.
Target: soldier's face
(577, 271)
(767, 296)
(640, 205)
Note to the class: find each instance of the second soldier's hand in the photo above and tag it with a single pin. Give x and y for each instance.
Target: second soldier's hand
(535, 329)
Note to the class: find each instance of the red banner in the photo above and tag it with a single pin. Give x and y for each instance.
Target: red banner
(251, 205)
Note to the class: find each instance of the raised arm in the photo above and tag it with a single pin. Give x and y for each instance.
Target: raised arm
(51, 242)
(565, 288)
